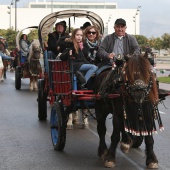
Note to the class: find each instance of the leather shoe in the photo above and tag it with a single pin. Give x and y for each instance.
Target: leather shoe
(80, 77)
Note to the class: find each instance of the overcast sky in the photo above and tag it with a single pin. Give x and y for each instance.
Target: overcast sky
(154, 14)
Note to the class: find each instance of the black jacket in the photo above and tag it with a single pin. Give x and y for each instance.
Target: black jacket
(53, 40)
(79, 59)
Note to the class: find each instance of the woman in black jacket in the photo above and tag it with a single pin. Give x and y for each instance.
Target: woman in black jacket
(76, 47)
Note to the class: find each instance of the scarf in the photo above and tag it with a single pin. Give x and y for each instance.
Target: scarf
(92, 49)
(81, 45)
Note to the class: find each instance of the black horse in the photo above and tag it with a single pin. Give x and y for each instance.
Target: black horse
(134, 112)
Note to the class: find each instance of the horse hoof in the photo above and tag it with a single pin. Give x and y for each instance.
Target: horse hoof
(153, 165)
(84, 126)
(69, 127)
(124, 147)
(102, 157)
(109, 164)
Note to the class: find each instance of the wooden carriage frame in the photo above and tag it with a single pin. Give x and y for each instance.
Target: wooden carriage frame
(59, 84)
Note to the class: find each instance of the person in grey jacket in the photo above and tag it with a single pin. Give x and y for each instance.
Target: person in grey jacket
(117, 43)
(24, 47)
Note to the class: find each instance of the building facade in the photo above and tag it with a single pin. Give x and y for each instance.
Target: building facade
(19, 18)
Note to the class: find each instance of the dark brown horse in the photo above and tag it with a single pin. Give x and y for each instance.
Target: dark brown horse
(134, 111)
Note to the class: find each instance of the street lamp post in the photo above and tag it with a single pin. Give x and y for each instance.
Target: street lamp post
(134, 17)
(16, 14)
(107, 24)
(51, 6)
(9, 12)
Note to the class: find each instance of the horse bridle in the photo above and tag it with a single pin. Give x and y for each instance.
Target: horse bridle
(138, 85)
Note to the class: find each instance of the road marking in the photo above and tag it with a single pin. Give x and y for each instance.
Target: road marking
(162, 112)
(120, 152)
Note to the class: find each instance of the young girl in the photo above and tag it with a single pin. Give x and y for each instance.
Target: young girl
(80, 53)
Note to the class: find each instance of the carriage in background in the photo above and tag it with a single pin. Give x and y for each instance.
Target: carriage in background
(23, 65)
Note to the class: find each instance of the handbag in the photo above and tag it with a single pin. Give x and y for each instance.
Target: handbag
(1, 63)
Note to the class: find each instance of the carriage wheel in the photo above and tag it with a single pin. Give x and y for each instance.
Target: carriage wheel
(42, 101)
(58, 126)
(137, 141)
(18, 78)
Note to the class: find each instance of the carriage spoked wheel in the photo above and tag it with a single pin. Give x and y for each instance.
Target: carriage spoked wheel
(58, 126)
(42, 101)
(18, 78)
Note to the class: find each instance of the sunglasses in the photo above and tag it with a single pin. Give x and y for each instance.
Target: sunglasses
(91, 32)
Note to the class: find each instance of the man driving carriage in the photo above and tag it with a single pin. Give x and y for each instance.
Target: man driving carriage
(117, 43)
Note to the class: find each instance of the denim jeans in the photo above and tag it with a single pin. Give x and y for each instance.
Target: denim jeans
(89, 69)
(51, 55)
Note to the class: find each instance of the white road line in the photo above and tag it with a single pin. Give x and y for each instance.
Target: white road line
(123, 155)
(162, 112)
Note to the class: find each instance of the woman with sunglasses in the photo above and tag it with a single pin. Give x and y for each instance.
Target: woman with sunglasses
(93, 39)
(79, 51)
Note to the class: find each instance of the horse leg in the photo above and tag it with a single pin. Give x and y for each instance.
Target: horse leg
(75, 117)
(70, 122)
(101, 129)
(35, 81)
(110, 158)
(126, 141)
(151, 160)
(31, 83)
(118, 128)
(2, 75)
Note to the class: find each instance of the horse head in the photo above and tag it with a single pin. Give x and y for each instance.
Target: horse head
(35, 50)
(139, 80)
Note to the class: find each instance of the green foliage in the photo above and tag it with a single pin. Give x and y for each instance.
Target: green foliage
(156, 43)
(10, 36)
(33, 34)
(142, 40)
(166, 41)
(164, 79)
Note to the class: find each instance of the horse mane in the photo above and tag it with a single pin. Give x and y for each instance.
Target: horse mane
(138, 67)
(35, 44)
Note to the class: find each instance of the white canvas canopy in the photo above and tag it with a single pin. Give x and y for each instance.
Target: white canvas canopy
(20, 33)
(48, 21)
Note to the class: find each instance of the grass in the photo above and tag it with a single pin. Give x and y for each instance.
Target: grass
(164, 79)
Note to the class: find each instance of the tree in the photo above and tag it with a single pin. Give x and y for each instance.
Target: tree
(166, 41)
(156, 43)
(142, 40)
(33, 34)
(10, 36)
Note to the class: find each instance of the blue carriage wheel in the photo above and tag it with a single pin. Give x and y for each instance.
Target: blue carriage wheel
(58, 126)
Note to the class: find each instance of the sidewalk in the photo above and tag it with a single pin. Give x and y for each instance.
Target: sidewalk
(164, 86)
(163, 66)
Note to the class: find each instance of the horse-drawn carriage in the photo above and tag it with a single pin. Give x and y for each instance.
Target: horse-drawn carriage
(59, 87)
(28, 67)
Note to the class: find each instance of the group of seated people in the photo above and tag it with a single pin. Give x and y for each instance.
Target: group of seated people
(82, 45)
(89, 52)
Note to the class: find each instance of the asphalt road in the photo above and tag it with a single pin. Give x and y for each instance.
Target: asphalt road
(26, 142)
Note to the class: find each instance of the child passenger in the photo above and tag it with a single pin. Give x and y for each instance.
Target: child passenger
(79, 50)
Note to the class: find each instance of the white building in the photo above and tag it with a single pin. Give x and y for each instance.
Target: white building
(36, 11)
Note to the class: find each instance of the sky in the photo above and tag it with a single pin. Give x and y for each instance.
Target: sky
(154, 14)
